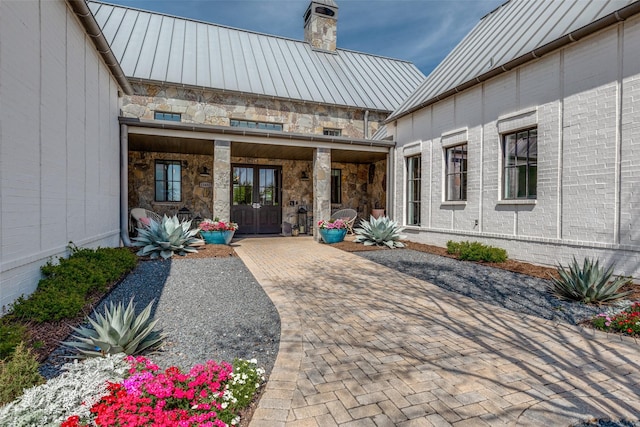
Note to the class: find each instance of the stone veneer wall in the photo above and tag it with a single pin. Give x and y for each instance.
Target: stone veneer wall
(199, 200)
(357, 190)
(321, 32)
(217, 108)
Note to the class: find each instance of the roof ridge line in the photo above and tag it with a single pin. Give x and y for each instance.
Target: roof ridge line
(198, 21)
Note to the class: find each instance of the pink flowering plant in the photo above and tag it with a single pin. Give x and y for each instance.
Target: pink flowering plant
(217, 225)
(626, 322)
(332, 224)
(209, 395)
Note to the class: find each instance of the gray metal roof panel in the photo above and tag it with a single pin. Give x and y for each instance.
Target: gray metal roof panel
(500, 37)
(181, 51)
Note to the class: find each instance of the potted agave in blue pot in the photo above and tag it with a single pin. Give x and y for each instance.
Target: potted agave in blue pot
(217, 232)
(332, 231)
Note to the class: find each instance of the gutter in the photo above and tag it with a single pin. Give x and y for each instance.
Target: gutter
(602, 23)
(92, 28)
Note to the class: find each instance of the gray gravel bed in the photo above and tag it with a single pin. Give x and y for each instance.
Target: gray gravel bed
(514, 291)
(208, 308)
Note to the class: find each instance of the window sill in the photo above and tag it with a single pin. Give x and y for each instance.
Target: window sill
(454, 203)
(517, 202)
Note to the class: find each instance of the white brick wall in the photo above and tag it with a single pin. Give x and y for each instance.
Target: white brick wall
(585, 101)
(59, 142)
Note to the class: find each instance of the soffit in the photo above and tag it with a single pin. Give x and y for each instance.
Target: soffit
(168, 144)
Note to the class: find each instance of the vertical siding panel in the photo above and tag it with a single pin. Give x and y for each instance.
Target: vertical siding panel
(53, 124)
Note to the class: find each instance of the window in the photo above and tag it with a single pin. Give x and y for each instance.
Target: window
(332, 132)
(255, 125)
(456, 173)
(161, 115)
(167, 180)
(520, 162)
(413, 190)
(336, 186)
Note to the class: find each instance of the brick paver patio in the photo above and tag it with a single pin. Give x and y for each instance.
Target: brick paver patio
(364, 345)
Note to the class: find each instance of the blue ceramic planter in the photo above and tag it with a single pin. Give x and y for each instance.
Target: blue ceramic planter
(218, 237)
(332, 235)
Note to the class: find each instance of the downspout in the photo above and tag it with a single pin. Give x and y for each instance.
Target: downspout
(366, 124)
(124, 185)
(92, 28)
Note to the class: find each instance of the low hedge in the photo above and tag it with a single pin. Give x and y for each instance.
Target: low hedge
(476, 251)
(64, 289)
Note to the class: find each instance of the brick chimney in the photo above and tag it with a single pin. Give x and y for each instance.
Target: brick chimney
(320, 25)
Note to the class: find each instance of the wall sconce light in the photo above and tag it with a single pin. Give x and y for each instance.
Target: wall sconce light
(141, 166)
(304, 176)
(204, 171)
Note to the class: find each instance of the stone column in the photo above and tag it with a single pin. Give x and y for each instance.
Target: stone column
(321, 187)
(222, 180)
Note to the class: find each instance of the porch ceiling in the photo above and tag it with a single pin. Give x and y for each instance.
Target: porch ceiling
(169, 144)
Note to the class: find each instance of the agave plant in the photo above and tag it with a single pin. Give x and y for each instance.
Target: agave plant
(167, 237)
(589, 283)
(118, 331)
(379, 231)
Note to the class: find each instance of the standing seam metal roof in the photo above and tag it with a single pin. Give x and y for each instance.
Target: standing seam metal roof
(513, 30)
(162, 48)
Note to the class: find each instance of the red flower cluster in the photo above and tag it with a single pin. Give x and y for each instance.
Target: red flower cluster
(163, 399)
(626, 322)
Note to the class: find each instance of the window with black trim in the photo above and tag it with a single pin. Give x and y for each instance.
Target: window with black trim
(162, 115)
(414, 165)
(332, 132)
(168, 180)
(520, 164)
(336, 186)
(456, 173)
(255, 125)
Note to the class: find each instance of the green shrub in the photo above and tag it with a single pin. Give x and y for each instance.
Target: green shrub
(65, 287)
(588, 284)
(50, 305)
(18, 372)
(476, 251)
(11, 334)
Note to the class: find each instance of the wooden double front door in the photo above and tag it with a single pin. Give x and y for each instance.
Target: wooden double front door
(256, 199)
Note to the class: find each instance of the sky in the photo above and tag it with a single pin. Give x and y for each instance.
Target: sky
(420, 31)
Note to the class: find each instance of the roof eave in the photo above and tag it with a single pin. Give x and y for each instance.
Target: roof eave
(92, 28)
(604, 22)
(227, 130)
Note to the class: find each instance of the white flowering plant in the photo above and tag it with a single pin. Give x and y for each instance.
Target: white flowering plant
(72, 392)
(245, 381)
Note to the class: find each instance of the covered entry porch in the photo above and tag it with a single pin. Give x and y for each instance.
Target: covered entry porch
(260, 179)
